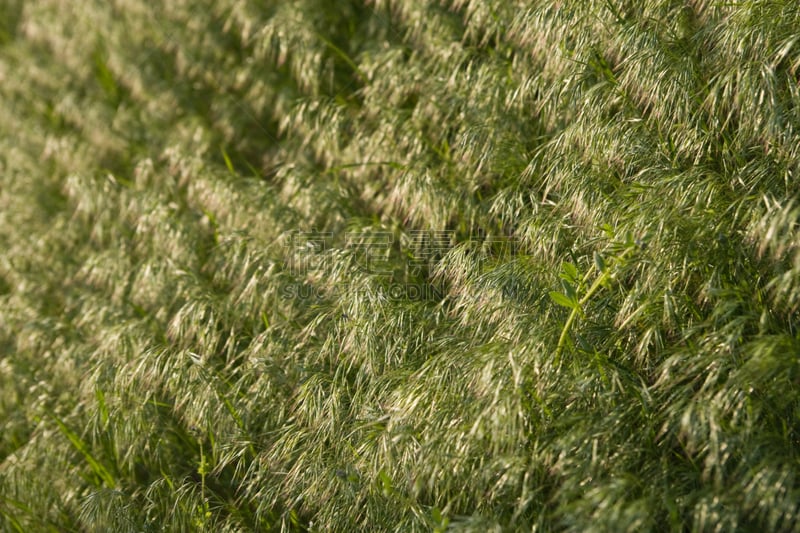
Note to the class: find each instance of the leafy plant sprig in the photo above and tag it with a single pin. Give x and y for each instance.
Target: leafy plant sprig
(575, 293)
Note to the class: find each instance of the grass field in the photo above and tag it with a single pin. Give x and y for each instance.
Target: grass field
(407, 265)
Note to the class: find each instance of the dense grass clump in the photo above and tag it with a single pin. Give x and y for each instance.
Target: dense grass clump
(399, 265)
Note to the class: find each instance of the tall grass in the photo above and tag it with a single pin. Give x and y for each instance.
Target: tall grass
(409, 266)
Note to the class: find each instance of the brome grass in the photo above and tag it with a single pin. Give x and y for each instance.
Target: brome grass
(399, 265)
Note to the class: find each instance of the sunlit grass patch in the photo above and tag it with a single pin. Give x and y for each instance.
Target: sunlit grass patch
(417, 265)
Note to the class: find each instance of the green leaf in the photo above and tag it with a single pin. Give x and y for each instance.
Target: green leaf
(569, 290)
(563, 300)
(599, 262)
(228, 162)
(569, 272)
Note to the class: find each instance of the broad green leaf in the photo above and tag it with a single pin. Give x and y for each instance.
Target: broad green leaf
(563, 300)
(569, 272)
